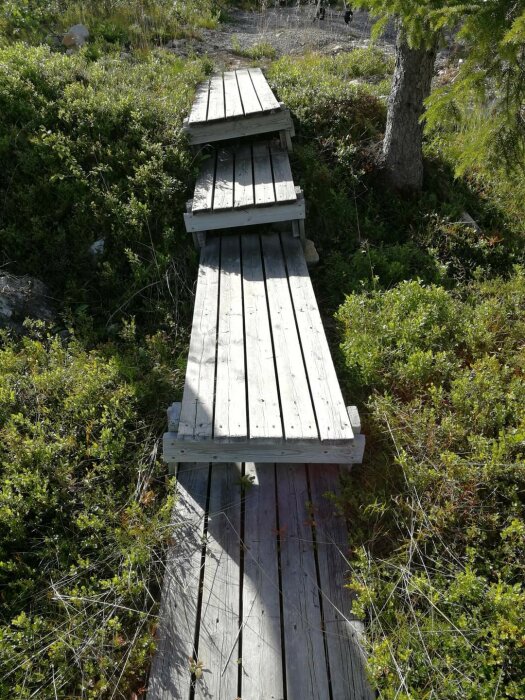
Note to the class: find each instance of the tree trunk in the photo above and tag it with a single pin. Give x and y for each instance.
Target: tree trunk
(402, 146)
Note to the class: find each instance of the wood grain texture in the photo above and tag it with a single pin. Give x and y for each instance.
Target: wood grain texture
(306, 669)
(262, 677)
(243, 188)
(203, 194)
(170, 676)
(209, 132)
(196, 418)
(262, 391)
(233, 103)
(223, 195)
(345, 652)
(212, 221)
(297, 410)
(199, 110)
(216, 103)
(282, 176)
(330, 408)
(235, 450)
(230, 395)
(264, 92)
(219, 630)
(250, 101)
(262, 175)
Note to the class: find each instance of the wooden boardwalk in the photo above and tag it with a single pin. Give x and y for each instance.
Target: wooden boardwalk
(254, 604)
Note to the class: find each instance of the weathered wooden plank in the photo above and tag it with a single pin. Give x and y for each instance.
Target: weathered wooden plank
(263, 399)
(233, 103)
(248, 216)
(203, 195)
(297, 410)
(250, 101)
(196, 418)
(230, 398)
(330, 409)
(345, 653)
(306, 670)
(289, 450)
(243, 190)
(216, 102)
(219, 629)
(262, 677)
(199, 109)
(223, 195)
(240, 127)
(282, 175)
(264, 92)
(262, 175)
(170, 676)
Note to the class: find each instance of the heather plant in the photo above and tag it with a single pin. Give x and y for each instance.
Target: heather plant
(438, 512)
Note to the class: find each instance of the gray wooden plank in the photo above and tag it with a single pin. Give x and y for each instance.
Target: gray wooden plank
(282, 175)
(203, 194)
(233, 103)
(216, 102)
(306, 670)
(250, 101)
(230, 397)
(263, 399)
(262, 677)
(218, 647)
(199, 109)
(264, 92)
(289, 450)
(196, 418)
(240, 127)
(170, 676)
(330, 408)
(245, 216)
(223, 195)
(262, 175)
(243, 190)
(297, 409)
(345, 652)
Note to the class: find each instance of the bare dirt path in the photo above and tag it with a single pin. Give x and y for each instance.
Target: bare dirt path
(288, 30)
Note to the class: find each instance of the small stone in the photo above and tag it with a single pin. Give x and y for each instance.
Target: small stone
(467, 220)
(97, 248)
(21, 298)
(75, 37)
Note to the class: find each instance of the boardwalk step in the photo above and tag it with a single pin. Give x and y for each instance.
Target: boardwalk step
(260, 381)
(235, 104)
(243, 186)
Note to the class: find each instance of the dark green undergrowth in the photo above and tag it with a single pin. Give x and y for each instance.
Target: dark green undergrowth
(91, 149)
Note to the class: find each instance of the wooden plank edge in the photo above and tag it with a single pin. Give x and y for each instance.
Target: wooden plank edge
(355, 420)
(296, 452)
(174, 416)
(249, 216)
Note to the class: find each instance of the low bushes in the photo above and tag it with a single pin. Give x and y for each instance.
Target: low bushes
(95, 150)
(83, 520)
(439, 525)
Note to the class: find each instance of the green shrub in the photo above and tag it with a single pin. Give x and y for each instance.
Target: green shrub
(95, 150)
(438, 513)
(83, 515)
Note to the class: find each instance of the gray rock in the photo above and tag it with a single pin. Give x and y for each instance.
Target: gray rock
(97, 248)
(21, 298)
(75, 37)
(467, 220)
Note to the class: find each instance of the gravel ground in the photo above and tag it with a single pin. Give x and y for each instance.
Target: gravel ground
(288, 30)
